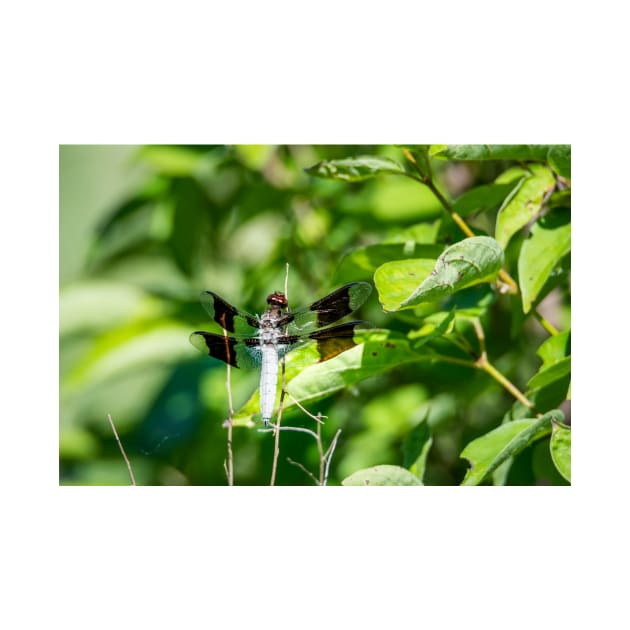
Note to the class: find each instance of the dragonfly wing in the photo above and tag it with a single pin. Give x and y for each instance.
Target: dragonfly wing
(228, 316)
(328, 309)
(241, 353)
(329, 341)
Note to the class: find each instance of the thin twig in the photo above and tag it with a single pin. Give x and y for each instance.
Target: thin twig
(229, 467)
(306, 470)
(329, 454)
(317, 418)
(122, 450)
(320, 448)
(276, 446)
(275, 427)
(481, 337)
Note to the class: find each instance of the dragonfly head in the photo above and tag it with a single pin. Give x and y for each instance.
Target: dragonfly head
(277, 299)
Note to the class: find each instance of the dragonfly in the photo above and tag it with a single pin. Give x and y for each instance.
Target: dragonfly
(260, 342)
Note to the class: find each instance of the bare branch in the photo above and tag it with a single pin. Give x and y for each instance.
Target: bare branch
(329, 454)
(317, 418)
(122, 450)
(229, 468)
(276, 448)
(306, 470)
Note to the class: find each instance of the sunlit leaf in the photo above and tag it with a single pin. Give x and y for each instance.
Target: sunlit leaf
(464, 264)
(486, 453)
(548, 375)
(560, 447)
(395, 281)
(383, 475)
(524, 204)
(355, 169)
(548, 242)
(555, 348)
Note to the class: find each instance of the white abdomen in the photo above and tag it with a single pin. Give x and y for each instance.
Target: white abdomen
(268, 381)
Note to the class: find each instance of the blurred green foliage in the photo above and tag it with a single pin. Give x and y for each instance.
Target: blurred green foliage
(145, 228)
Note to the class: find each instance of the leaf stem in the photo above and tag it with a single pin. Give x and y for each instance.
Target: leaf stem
(552, 330)
(485, 365)
(482, 363)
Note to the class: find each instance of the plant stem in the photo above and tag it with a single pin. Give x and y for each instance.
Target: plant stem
(497, 376)
(552, 330)
(122, 450)
(229, 467)
(485, 365)
(276, 447)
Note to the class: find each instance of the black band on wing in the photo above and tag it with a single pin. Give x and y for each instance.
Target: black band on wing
(224, 313)
(340, 303)
(215, 346)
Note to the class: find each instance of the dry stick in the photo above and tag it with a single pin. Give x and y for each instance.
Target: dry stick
(276, 447)
(122, 450)
(329, 454)
(229, 466)
(317, 418)
(306, 470)
(320, 448)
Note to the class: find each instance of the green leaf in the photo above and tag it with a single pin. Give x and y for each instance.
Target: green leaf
(383, 475)
(548, 375)
(558, 155)
(365, 260)
(355, 169)
(416, 447)
(560, 199)
(555, 348)
(434, 325)
(481, 198)
(548, 242)
(559, 158)
(396, 281)
(524, 204)
(486, 453)
(560, 446)
(464, 264)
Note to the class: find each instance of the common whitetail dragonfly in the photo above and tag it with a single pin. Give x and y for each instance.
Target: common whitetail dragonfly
(262, 341)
